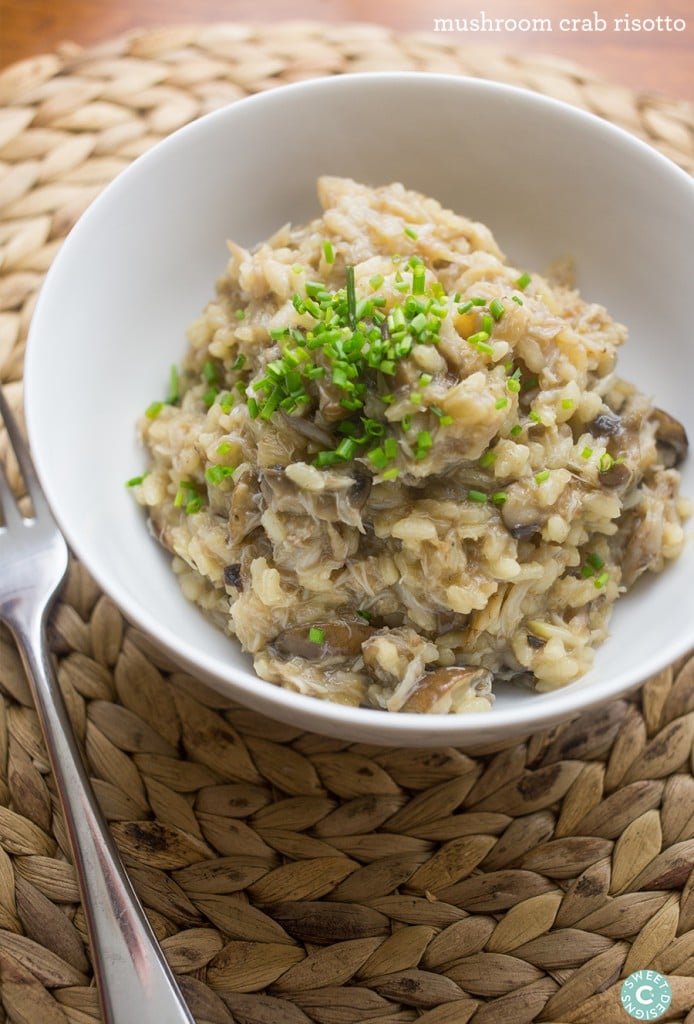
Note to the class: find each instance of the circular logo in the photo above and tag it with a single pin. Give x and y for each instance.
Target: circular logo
(646, 995)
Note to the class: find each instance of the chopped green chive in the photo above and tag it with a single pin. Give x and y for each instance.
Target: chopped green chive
(601, 580)
(391, 474)
(223, 448)
(605, 462)
(351, 298)
(465, 308)
(513, 385)
(595, 560)
(488, 459)
(501, 403)
(516, 430)
(499, 497)
(328, 252)
(376, 281)
(316, 635)
(478, 496)
(477, 337)
(411, 233)
(542, 476)
(210, 372)
(153, 410)
(586, 453)
(134, 481)
(418, 279)
(535, 416)
(174, 386)
(497, 308)
(517, 299)
(240, 314)
(567, 403)
(215, 474)
(523, 282)
(239, 362)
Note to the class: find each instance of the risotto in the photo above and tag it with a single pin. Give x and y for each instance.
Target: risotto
(398, 469)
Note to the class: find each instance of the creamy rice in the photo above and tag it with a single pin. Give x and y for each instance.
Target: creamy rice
(396, 467)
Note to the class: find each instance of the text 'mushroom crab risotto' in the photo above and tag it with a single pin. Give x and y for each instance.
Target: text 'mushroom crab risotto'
(397, 468)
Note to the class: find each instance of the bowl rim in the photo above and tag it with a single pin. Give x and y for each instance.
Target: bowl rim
(327, 717)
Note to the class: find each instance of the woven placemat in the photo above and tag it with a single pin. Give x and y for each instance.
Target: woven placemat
(294, 879)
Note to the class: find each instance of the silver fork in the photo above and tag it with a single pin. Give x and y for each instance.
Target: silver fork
(133, 977)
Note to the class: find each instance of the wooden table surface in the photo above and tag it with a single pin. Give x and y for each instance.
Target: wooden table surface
(651, 51)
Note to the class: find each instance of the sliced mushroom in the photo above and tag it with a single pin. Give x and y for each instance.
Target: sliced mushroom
(309, 429)
(519, 513)
(606, 423)
(340, 638)
(232, 576)
(325, 495)
(671, 438)
(458, 688)
(617, 477)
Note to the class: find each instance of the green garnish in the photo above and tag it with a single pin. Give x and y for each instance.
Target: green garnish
(351, 298)
(542, 476)
(328, 251)
(488, 459)
(411, 233)
(153, 410)
(239, 362)
(210, 372)
(606, 462)
(240, 314)
(418, 279)
(188, 498)
(134, 481)
(516, 430)
(497, 308)
(586, 453)
(499, 497)
(215, 474)
(478, 496)
(601, 580)
(501, 403)
(174, 386)
(316, 635)
(523, 282)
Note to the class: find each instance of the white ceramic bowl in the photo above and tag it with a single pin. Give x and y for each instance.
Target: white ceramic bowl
(548, 179)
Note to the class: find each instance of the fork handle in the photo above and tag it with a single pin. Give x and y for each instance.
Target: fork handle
(134, 980)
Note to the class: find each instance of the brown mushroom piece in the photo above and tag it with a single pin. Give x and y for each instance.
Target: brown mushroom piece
(457, 688)
(520, 515)
(309, 429)
(617, 477)
(670, 438)
(337, 496)
(340, 638)
(606, 424)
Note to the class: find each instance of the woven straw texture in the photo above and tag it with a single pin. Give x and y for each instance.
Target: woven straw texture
(294, 879)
